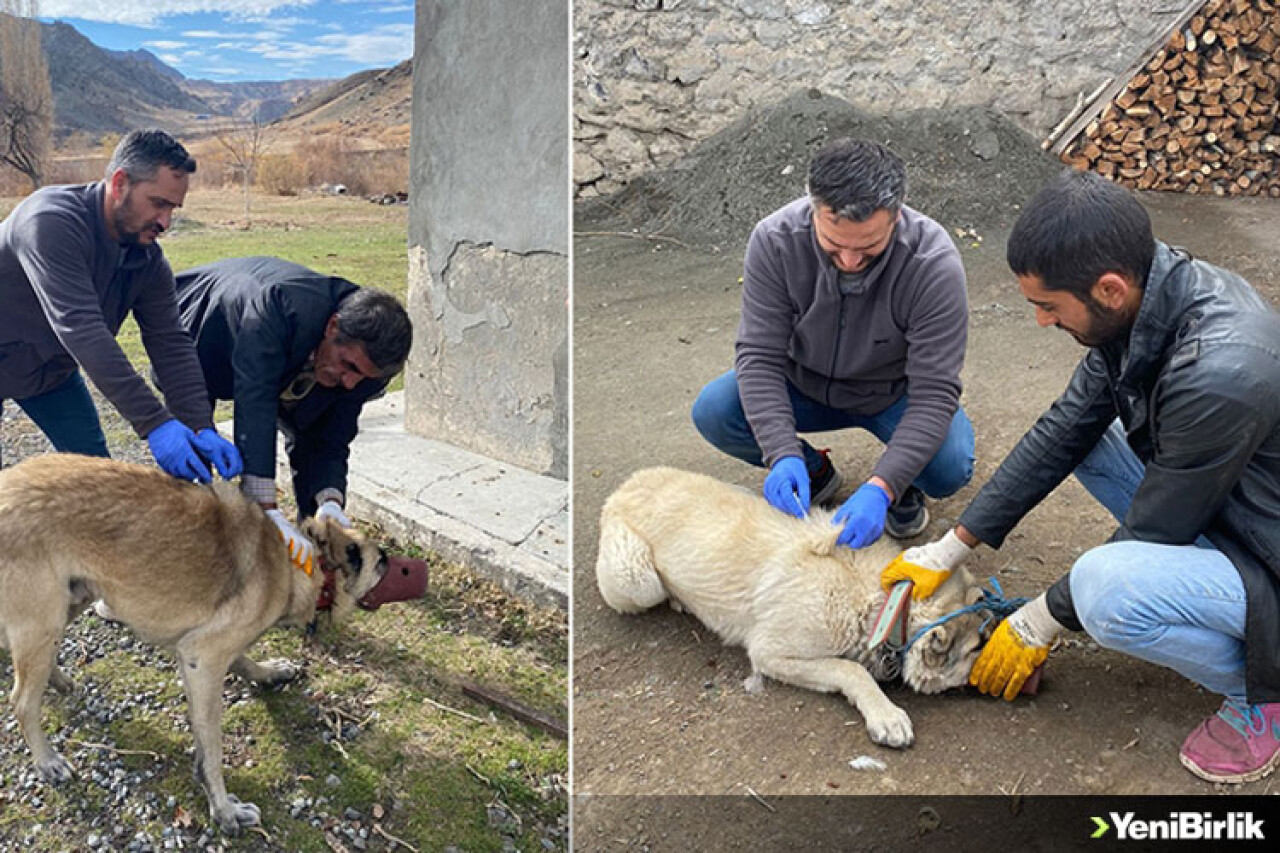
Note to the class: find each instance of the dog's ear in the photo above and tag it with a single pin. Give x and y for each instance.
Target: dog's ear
(335, 544)
(941, 638)
(317, 530)
(354, 561)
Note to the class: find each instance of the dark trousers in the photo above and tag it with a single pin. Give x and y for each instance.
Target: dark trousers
(299, 445)
(67, 416)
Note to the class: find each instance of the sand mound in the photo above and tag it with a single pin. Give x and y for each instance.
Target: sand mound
(965, 168)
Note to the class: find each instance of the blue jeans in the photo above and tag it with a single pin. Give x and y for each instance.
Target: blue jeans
(1180, 606)
(718, 415)
(68, 417)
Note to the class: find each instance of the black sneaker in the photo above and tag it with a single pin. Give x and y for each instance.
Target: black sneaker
(824, 484)
(909, 516)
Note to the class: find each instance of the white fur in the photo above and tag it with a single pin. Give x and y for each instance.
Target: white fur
(800, 604)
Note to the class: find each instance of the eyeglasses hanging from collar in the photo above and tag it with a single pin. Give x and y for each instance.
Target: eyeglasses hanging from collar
(300, 386)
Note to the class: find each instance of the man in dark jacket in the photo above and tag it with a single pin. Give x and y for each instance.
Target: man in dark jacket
(74, 262)
(298, 349)
(1172, 421)
(854, 314)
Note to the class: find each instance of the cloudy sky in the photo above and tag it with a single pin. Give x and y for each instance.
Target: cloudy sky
(238, 40)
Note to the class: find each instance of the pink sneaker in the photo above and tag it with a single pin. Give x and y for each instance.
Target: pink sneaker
(1240, 743)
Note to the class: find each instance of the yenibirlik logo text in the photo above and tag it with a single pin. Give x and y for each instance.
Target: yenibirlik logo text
(1182, 826)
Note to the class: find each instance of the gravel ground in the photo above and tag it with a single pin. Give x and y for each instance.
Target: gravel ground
(20, 438)
(114, 800)
(116, 808)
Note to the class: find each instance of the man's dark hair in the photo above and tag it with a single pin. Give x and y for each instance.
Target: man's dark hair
(1078, 228)
(379, 322)
(142, 152)
(857, 177)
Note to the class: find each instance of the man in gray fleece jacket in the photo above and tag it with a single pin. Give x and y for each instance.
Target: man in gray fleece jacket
(854, 314)
(74, 262)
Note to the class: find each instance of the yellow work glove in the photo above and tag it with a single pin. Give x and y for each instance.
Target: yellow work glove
(926, 566)
(301, 550)
(1019, 645)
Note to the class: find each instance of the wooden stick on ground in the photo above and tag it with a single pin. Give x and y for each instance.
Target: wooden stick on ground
(377, 827)
(520, 711)
(112, 749)
(454, 711)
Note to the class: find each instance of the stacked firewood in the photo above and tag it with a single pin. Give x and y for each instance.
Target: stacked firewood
(1200, 116)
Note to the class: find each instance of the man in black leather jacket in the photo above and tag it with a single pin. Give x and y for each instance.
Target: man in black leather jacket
(296, 349)
(1172, 421)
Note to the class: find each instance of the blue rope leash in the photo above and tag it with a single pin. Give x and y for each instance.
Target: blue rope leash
(992, 602)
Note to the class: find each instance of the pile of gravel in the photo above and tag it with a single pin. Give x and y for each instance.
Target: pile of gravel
(966, 168)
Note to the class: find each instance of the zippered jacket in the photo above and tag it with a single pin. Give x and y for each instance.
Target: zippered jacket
(903, 331)
(66, 287)
(1196, 386)
(256, 322)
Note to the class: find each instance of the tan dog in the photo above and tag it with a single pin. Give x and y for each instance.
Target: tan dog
(801, 605)
(199, 569)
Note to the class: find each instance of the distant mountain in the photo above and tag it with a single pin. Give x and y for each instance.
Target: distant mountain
(268, 99)
(364, 99)
(146, 57)
(96, 91)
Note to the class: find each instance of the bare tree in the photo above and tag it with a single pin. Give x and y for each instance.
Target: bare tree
(26, 101)
(246, 140)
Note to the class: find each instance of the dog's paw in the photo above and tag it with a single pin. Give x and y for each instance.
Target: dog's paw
(890, 726)
(55, 769)
(268, 674)
(61, 683)
(754, 684)
(234, 815)
(278, 671)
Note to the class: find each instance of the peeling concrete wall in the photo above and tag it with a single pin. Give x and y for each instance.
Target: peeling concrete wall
(489, 230)
(653, 77)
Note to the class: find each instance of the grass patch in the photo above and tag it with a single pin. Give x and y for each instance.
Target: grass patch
(356, 731)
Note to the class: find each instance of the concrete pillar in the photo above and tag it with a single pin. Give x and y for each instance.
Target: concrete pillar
(489, 230)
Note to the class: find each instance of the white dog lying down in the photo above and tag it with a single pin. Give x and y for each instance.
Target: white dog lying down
(801, 605)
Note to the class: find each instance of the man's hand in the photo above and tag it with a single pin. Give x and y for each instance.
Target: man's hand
(219, 451)
(787, 486)
(333, 510)
(172, 445)
(862, 516)
(1019, 645)
(301, 551)
(926, 566)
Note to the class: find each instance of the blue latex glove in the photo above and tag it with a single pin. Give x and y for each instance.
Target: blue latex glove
(787, 486)
(219, 451)
(862, 516)
(171, 445)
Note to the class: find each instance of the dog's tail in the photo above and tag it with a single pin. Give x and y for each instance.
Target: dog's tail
(625, 571)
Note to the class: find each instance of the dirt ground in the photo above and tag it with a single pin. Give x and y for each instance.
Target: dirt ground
(657, 700)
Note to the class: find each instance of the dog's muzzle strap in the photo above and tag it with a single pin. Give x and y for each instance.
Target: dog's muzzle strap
(890, 626)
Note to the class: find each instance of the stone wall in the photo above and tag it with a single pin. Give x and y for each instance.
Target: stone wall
(653, 77)
(488, 230)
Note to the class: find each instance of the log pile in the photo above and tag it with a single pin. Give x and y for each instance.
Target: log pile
(1200, 116)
